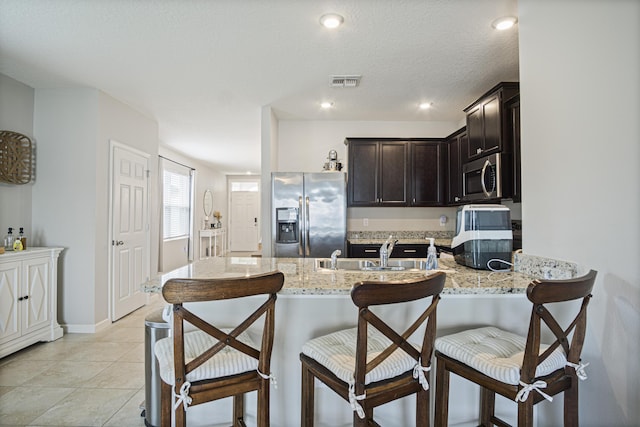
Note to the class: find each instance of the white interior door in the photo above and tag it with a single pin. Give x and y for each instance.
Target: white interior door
(130, 230)
(244, 223)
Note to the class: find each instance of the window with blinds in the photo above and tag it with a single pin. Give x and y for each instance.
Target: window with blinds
(176, 197)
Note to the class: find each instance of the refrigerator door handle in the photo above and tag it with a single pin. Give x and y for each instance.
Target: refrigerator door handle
(306, 228)
(301, 236)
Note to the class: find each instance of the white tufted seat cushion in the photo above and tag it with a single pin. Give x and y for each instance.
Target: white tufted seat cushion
(337, 352)
(496, 353)
(228, 361)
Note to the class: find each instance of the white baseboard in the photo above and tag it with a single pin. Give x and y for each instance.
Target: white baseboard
(86, 329)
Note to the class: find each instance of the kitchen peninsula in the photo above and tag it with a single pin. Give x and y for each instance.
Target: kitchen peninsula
(314, 302)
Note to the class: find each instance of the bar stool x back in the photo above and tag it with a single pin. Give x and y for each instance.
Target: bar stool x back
(211, 363)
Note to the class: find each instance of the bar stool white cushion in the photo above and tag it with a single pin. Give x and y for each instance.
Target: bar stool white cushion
(337, 352)
(228, 361)
(496, 353)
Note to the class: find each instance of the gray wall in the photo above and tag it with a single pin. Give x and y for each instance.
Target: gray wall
(16, 114)
(71, 195)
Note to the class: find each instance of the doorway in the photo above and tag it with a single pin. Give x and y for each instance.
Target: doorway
(244, 214)
(130, 241)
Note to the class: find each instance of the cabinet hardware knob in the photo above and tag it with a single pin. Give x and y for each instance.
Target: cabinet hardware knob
(20, 299)
(26, 297)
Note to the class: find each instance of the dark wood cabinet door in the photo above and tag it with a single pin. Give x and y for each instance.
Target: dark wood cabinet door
(475, 133)
(428, 174)
(457, 145)
(363, 173)
(410, 251)
(393, 175)
(492, 125)
(364, 251)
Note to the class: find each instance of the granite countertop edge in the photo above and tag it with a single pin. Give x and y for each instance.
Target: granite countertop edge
(301, 278)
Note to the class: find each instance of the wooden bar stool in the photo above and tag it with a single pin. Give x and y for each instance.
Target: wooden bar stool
(520, 368)
(212, 363)
(368, 367)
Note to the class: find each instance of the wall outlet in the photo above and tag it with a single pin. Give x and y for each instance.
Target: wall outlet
(365, 222)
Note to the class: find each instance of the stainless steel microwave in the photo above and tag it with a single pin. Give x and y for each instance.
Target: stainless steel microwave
(481, 179)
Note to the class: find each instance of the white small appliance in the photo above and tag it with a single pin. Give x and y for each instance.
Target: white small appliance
(483, 237)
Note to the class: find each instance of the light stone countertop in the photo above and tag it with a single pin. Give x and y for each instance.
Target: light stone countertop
(302, 279)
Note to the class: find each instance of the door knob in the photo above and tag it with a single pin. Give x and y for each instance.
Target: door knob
(117, 242)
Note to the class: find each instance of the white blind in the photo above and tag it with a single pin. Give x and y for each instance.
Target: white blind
(176, 201)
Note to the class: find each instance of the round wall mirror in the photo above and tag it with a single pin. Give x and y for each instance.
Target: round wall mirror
(207, 203)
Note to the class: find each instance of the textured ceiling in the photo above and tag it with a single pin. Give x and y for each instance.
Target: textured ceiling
(204, 69)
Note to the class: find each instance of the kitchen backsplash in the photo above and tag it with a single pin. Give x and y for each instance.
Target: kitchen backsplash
(369, 235)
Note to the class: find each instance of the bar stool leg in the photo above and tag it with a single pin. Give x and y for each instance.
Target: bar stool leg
(487, 406)
(307, 398)
(442, 394)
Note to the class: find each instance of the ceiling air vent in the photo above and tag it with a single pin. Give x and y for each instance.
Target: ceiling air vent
(345, 81)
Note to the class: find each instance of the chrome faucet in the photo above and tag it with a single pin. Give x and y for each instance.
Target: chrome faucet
(334, 258)
(385, 251)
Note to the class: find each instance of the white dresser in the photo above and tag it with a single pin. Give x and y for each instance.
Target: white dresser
(28, 298)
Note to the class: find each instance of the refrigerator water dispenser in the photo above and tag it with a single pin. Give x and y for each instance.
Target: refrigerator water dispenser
(287, 225)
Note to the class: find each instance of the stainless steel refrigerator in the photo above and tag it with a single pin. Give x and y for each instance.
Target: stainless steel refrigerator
(309, 214)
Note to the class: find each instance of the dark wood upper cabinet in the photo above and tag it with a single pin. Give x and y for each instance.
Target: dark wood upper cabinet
(457, 143)
(428, 173)
(378, 172)
(487, 122)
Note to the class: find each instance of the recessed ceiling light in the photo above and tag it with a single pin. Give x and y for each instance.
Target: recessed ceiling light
(331, 20)
(425, 105)
(504, 23)
(326, 104)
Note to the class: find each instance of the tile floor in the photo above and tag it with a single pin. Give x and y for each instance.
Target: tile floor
(79, 379)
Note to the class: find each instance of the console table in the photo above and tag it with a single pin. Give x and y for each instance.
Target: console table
(215, 241)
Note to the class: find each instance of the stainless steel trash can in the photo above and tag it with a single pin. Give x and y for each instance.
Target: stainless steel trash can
(155, 328)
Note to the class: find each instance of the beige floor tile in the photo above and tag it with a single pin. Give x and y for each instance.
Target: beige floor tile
(85, 407)
(54, 350)
(100, 351)
(6, 389)
(20, 371)
(22, 405)
(129, 414)
(135, 335)
(67, 374)
(136, 354)
(119, 375)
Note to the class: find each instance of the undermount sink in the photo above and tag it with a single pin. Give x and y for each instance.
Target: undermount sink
(355, 264)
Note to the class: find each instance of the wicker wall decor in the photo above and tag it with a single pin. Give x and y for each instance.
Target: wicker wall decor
(16, 157)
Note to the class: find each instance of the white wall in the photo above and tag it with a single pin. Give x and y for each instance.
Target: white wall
(16, 114)
(303, 146)
(580, 94)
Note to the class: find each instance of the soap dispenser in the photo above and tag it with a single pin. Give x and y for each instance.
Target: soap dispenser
(432, 255)
(8, 241)
(23, 238)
